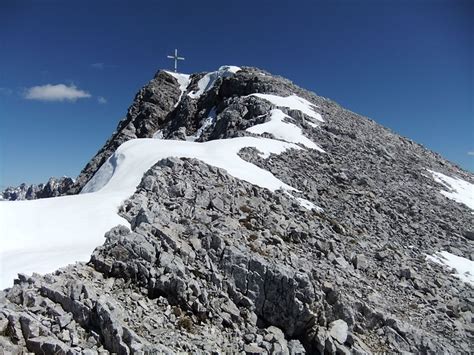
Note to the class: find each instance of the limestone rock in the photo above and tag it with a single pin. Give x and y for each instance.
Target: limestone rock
(338, 330)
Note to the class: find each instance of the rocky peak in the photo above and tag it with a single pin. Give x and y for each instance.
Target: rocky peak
(200, 107)
(352, 252)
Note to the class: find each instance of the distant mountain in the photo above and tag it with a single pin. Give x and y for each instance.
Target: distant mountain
(53, 188)
(243, 214)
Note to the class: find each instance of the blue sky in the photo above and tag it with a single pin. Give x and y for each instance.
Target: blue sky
(406, 64)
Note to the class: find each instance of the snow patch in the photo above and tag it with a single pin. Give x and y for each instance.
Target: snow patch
(463, 268)
(158, 134)
(458, 190)
(305, 203)
(205, 124)
(283, 130)
(207, 81)
(293, 102)
(183, 81)
(308, 204)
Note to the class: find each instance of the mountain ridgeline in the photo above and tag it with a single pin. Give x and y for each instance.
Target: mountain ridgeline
(336, 247)
(53, 188)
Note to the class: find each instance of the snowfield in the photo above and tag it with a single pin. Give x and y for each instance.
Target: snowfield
(43, 235)
(125, 168)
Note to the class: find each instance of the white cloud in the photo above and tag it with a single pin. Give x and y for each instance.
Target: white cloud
(101, 100)
(59, 92)
(470, 153)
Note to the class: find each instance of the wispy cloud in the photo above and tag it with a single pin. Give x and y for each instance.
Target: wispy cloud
(99, 66)
(470, 153)
(101, 100)
(58, 92)
(102, 66)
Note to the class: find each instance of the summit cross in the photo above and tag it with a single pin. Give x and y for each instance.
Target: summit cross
(176, 58)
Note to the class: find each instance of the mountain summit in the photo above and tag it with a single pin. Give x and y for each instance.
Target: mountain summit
(243, 214)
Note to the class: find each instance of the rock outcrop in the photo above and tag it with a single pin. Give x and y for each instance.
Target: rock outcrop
(152, 106)
(213, 264)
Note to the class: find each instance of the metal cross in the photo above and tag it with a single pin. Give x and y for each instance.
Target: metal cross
(176, 58)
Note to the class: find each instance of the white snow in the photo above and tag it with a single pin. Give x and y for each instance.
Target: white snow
(43, 235)
(308, 204)
(183, 81)
(293, 102)
(205, 124)
(283, 130)
(457, 189)
(207, 81)
(305, 203)
(312, 124)
(158, 134)
(138, 155)
(460, 191)
(463, 268)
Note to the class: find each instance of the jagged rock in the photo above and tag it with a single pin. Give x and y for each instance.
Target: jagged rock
(469, 234)
(360, 262)
(407, 273)
(3, 324)
(295, 347)
(252, 349)
(47, 345)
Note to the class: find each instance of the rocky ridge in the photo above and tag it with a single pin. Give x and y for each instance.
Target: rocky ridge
(215, 264)
(53, 188)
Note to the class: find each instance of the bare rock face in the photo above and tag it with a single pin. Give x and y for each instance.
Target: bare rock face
(213, 264)
(151, 107)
